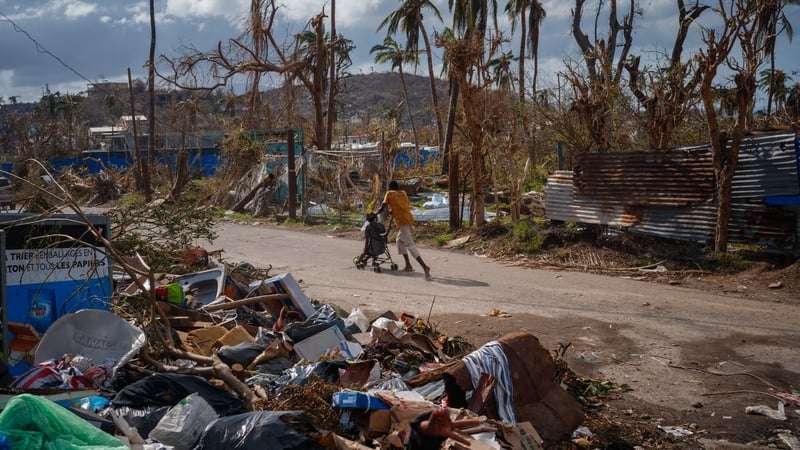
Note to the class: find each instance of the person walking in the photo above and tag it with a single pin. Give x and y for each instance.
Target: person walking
(397, 202)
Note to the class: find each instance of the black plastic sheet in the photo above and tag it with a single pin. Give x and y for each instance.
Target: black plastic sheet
(259, 430)
(324, 318)
(243, 353)
(144, 403)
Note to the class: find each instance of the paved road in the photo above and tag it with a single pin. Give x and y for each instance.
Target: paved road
(470, 284)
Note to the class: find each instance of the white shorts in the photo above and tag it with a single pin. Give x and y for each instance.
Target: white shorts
(405, 243)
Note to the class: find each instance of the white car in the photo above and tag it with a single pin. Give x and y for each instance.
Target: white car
(6, 194)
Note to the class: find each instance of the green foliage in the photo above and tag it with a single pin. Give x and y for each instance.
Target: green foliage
(527, 239)
(432, 231)
(537, 178)
(296, 222)
(220, 213)
(159, 232)
(523, 231)
(130, 200)
(731, 263)
(492, 229)
(419, 202)
(443, 239)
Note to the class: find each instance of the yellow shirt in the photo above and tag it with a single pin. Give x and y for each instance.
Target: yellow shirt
(400, 206)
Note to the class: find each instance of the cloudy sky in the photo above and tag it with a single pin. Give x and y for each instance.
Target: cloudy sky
(63, 45)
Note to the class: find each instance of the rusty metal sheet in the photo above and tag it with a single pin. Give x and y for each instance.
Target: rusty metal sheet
(647, 178)
(768, 166)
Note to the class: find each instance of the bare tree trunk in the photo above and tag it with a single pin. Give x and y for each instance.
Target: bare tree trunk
(332, 79)
(451, 120)
(141, 167)
(522, 40)
(770, 90)
(475, 131)
(527, 142)
(434, 95)
(410, 117)
(319, 117)
(181, 169)
(724, 188)
(450, 161)
(151, 116)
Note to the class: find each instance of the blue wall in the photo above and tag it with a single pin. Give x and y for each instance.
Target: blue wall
(203, 161)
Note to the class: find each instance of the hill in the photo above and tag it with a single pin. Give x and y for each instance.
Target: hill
(371, 93)
(367, 96)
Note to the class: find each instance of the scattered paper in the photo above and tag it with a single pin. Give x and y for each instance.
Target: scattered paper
(676, 431)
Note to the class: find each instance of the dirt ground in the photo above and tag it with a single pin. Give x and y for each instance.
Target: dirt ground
(621, 418)
(701, 390)
(729, 380)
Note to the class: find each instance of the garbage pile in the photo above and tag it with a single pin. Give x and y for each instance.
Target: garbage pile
(223, 359)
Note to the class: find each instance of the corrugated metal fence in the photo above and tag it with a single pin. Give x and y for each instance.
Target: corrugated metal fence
(671, 193)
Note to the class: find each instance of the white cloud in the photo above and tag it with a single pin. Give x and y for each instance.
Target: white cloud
(348, 12)
(557, 10)
(6, 79)
(69, 9)
(75, 10)
(231, 10)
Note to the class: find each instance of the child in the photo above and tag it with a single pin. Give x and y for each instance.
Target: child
(374, 238)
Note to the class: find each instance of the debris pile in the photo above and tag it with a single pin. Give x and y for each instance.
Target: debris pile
(233, 357)
(192, 360)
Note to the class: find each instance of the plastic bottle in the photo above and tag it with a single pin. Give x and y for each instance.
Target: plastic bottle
(42, 312)
(5, 442)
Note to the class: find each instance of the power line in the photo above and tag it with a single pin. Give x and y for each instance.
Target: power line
(41, 48)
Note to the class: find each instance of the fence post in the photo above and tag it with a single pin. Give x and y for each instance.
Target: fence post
(292, 174)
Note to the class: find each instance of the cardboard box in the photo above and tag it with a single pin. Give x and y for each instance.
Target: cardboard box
(380, 421)
(284, 284)
(314, 347)
(523, 436)
(234, 336)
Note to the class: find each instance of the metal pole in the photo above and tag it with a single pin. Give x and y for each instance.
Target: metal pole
(303, 184)
(384, 163)
(292, 174)
(140, 163)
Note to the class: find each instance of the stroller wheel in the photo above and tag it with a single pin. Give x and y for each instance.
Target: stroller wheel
(357, 261)
(393, 266)
(376, 269)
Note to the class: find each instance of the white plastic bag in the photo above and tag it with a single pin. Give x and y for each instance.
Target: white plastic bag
(358, 318)
(393, 327)
(182, 425)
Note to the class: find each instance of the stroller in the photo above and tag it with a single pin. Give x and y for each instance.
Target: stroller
(376, 246)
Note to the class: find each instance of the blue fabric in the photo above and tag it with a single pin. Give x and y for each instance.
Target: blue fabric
(491, 359)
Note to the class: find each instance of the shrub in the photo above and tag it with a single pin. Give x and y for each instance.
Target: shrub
(731, 263)
(159, 231)
(527, 237)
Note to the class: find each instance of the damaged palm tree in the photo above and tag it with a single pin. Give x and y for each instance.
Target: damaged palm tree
(596, 91)
(746, 24)
(667, 94)
(257, 54)
(241, 155)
